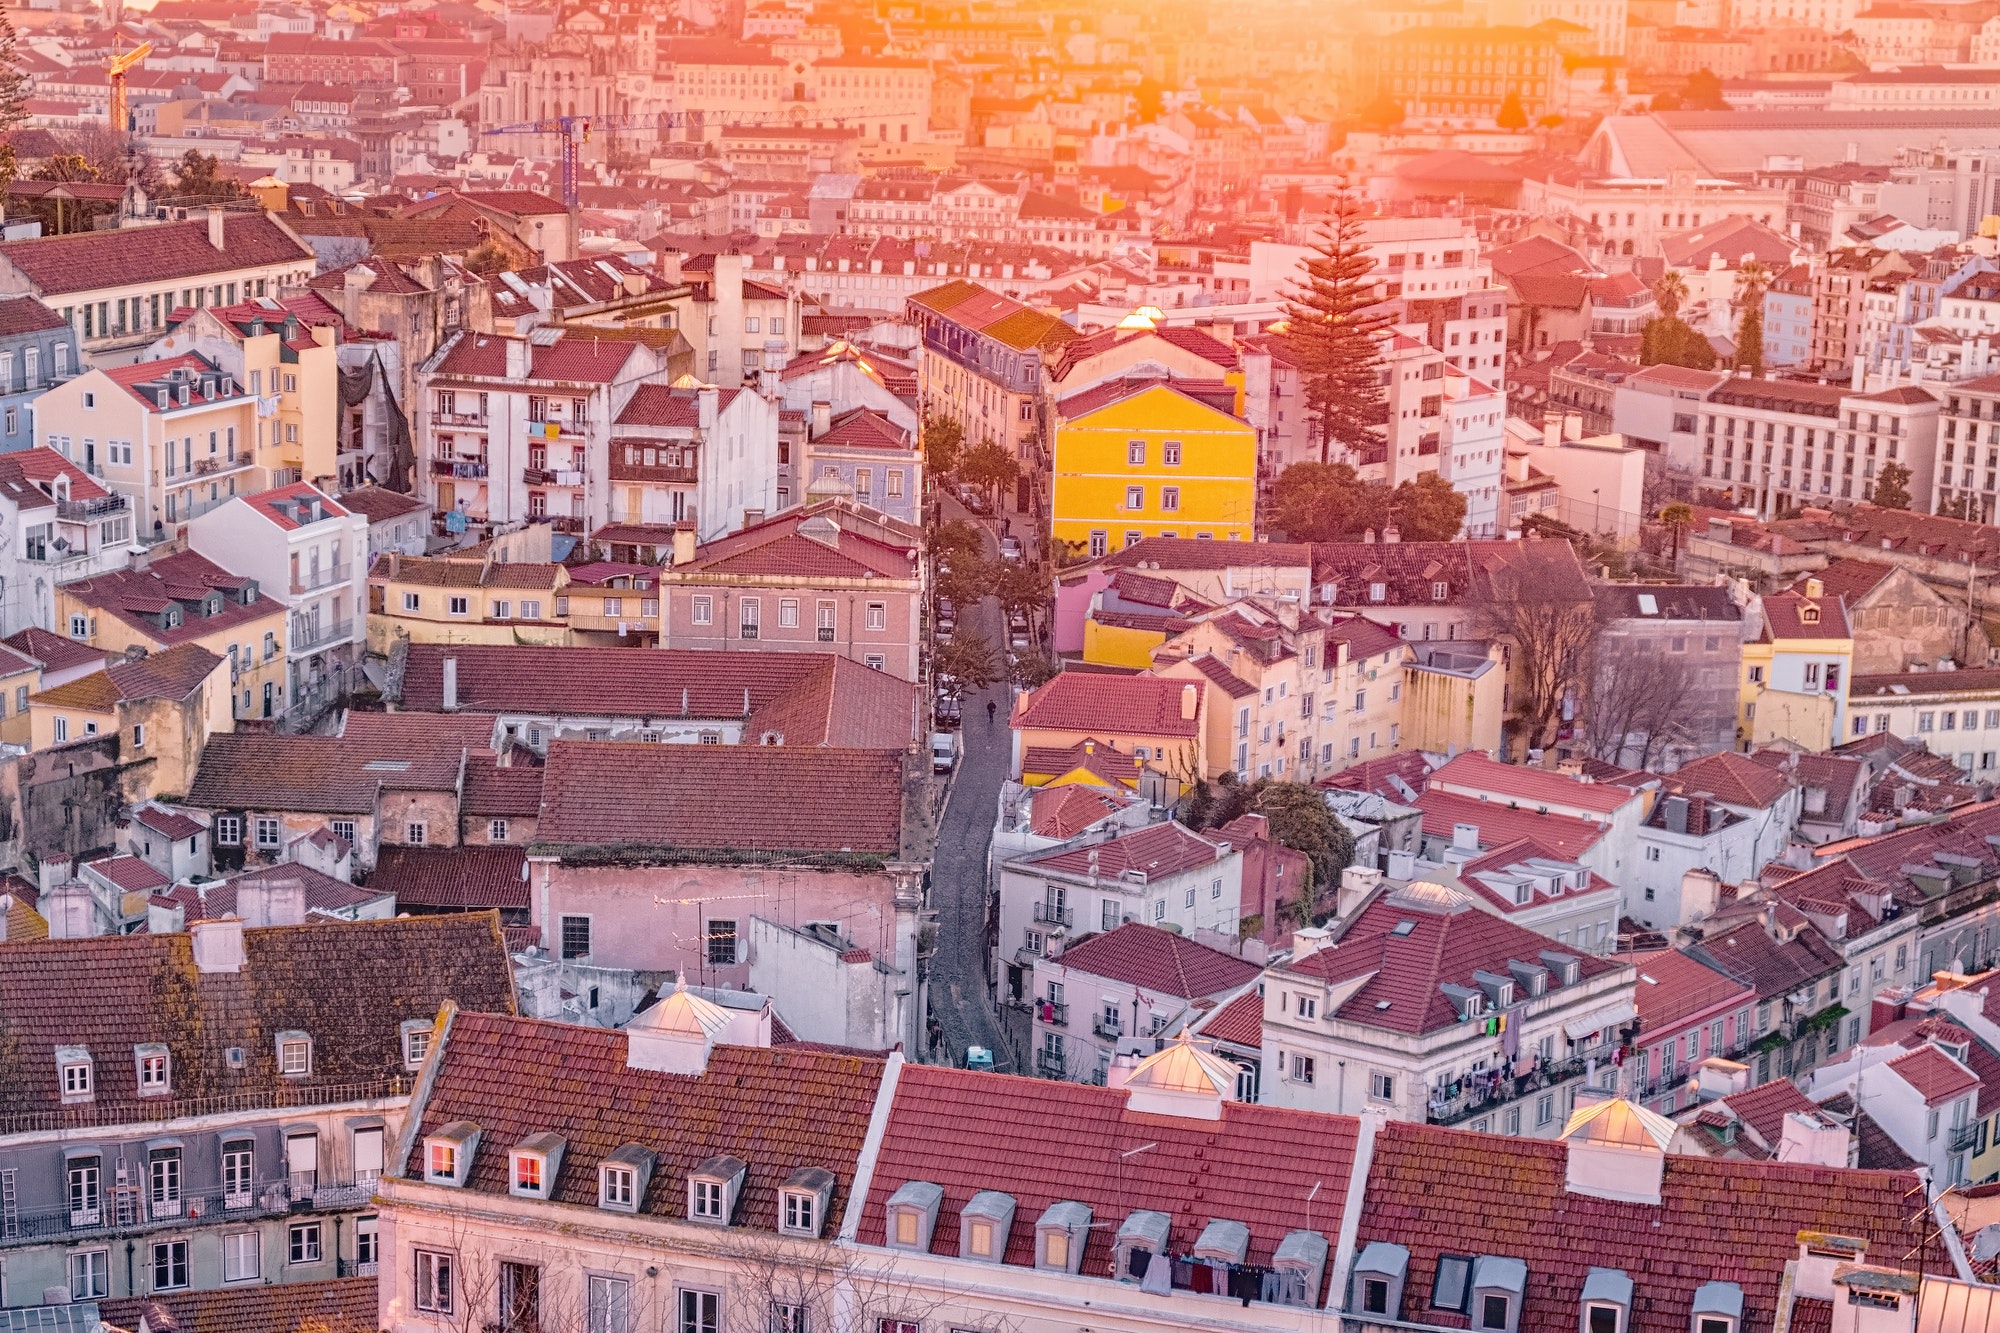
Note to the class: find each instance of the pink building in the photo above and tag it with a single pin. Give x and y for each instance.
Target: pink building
(1688, 1012)
(830, 578)
(657, 858)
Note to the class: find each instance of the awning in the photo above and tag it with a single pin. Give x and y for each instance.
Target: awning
(1613, 1016)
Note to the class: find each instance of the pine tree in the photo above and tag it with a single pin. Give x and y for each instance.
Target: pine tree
(13, 83)
(1512, 116)
(1333, 335)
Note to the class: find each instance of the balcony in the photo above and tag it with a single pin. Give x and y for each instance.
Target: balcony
(312, 580)
(124, 1210)
(550, 430)
(825, 634)
(471, 469)
(1108, 1030)
(1050, 1064)
(1052, 1011)
(307, 637)
(88, 511)
(685, 476)
(1964, 1137)
(1048, 914)
(209, 467)
(93, 1116)
(1478, 1096)
(473, 419)
(543, 476)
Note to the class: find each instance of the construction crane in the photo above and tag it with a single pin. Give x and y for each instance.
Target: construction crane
(576, 129)
(120, 62)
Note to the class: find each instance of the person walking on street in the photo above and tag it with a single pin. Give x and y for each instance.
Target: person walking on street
(992, 710)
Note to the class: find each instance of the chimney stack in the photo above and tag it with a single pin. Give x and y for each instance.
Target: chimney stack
(216, 230)
(218, 945)
(684, 542)
(519, 357)
(1189, 697)
(451, 684)
(708, 400)
(822, 419)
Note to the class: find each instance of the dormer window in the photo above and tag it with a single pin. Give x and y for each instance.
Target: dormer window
(983, 1226)
(155, 1069)
(622, 1178)
(416, 1041)
(1144, 1231)
(1809, 615)
(448, 1153)
(1607, 1301)
(912, 1215)
(76, 1073)
(802, 1201)
(713, 1188)
(1378, 592)
(532, 1166)
(1498, 1286)
(1060, 1235)
(294, 1054)
(1717, 1308)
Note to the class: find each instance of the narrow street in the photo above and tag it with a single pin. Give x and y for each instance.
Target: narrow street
(959, 992)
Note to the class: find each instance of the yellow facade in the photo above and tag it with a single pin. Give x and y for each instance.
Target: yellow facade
(1120, 645)
(1154, 462)
(1455, 706)
(458, 601)
(254, 644)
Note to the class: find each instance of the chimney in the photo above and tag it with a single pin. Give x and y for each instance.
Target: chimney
(1465, 837)
(273, 899)
(1552, 431)
(1810, 1138)
(1815, 589)
(707, 398)
(1677, 814)
(1369, 536)
(1189, 698)
(684, 542)
(218, 945)
(215, 229)
(1391, 534)
(451, 684)
(1572, 425)
(519, 358)
(822, 419)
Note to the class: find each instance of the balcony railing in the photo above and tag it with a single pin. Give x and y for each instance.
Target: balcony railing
(1964, 1136)
(120, 1210)
(471, 469)
(1052, 1011)
(1051, 1064)
(204, 467)
(126, 1112)
(1473, 1100)
(544, 476)
(1049, 914)
(308, 637)
(1108, 1030)
(458, 419)
(84, 511)
(312, 580)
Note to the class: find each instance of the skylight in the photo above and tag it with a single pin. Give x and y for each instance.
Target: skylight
(1403, 928)
(1648, 604)
(386, 765)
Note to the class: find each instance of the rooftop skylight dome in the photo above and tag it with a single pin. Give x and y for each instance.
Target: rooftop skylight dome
(1182, 1080)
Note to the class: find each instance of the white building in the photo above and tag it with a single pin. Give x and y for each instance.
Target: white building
(310, 553)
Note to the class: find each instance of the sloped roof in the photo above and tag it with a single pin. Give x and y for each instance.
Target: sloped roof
(162, 252)
(337, 1305)
(452, 878)
(1111, 705)
(1156, 851)
(1162, 961)
(1733, 779)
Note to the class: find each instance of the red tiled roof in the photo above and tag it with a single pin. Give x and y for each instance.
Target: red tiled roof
(1154, 959)
(129, 873)
(1410, 767)
(276, 504)
(1409, 968)
(1785, 617)
(778, 1109)
(1936, 1076)
(1479, 773)
(1063, 812)
(171, 675)
(53, 651)
(1672, 987)
(1157, 851)
(452, 877)
(1765, 1107)
(864, 428)
(1733, 779)
(1440, 1191)
(574, 358)
(1213, 668)
(379, 505)
(1102, 758)
(1239, 1022)
(1175, 553)
(969, 1132)
(163, 252)
(217, 898)
(1499, 824)
(337, 1305)
(1117, 705)
(167, 823)
(716, 798)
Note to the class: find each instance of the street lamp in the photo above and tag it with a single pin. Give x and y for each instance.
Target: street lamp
(1596, 514)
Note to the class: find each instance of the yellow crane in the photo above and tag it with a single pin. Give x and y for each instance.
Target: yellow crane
(120, 62)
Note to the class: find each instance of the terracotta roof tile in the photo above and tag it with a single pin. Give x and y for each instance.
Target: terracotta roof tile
(85, 261)
(1936, 1076)
(1733, 779)
(1163, 961)
(338, 1305)
(1123, 705)
(452, 877)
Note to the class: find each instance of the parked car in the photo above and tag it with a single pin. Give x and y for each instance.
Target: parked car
(943, 635)
(949, 712)
(1010, 548)
(1018, 639)
(1016, 620)
(944, 751)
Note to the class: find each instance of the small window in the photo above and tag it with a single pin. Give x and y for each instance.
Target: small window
(79, 1083)
(575, 937)
(801, 1212)
(1135, 453)
(615, 1188)
(1170, 453)
(460, 606)
(294, 1056)
(416, 833)
(721, 943)
(441, 1162)
(412, 601)
(435, 1292)
(155, 1071)
(1493, 1312)
(1453, 1284)
(267, 834)
(304, 1243)
(706, 1199)
(416, 1042)
(529, 1169)
(496, 830)
(1374, 1295)
(704, 610)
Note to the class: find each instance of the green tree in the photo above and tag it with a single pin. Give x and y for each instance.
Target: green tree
(970, 662)
(1752, 281)
(198, 179)
(14, 85)
(1323, 502)
(943, 440)
(1704, 92)
(1383, 113)
(1299, 817)
(1670, 293)
(1892, 487)
(1427, 509)
(1333, 334)
(65, 167)
(1669, 341)
(1511, 115)
(988, 466)
(1022, 587)
(957, 541)
(1677, 518)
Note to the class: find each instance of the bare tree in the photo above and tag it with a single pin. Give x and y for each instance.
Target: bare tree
(478, 1292)
(1541, 609)
(1638, 700)
(811, 1287)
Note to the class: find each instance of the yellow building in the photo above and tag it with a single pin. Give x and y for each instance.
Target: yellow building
(1796, 671)
(1141, 458)
(177, 436)
(470, 598)
(284, 352)
(1157, 722)
(1454, 698)
(163, 707)
(187, 599)
(20, 680)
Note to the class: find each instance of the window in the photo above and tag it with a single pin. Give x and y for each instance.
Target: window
(412, 602)
(163, 1179)
(788, 613)
(1135, 497)
(344, 830)
(89, 1275)
(79, 627)
(1375, 1295)
(704, 610)
(1452, 1286)
(700, 1312)
(1600, 1319)
(170, 1265)
(416, 833)
(416, 1041)
(85, 1200)
(502, 610)
(460, 606)
(607, 1304)
(722, 943)
(267, 833)
(496, 830)
(237, 1161)
(1302, 1068)
(295, 1057)
(1170, 453)
(707, 1196)
(77, 1083)
(616, 1188)
(576, 937)
(435, 1291)
(303, 1243)
(1382, 1087)
(800, 1213)
(878, 616)
(789, 1318)
(528, 1173)
(1493, 1312)
(1170, 498)
(1135, 453)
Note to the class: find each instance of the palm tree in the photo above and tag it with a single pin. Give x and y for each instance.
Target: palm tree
(1677, 518)
(1670, 290)
(1752, 281)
